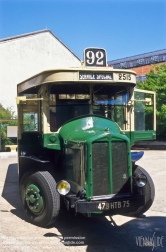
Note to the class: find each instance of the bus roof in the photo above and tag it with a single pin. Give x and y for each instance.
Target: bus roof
(81, 74)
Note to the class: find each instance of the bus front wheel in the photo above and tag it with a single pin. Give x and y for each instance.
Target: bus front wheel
(148, 190)
(39, 197)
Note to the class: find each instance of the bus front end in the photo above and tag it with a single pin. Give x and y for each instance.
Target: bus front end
(98, 168)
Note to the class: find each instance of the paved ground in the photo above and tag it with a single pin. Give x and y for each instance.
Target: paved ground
(103, 234)
(150, 145)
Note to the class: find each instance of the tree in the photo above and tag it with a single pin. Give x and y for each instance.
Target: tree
(156, 81)
(7, 117)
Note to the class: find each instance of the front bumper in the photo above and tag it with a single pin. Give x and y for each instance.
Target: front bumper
(117, 204)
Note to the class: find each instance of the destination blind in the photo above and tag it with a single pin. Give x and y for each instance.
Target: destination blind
(95, 76)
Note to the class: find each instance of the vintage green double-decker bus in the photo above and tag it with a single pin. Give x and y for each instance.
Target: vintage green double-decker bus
(76, 127)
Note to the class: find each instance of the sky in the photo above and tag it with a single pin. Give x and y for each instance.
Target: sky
(123, 27)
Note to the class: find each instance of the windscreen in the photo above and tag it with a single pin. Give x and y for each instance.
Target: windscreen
(111, 102)
(68, 101)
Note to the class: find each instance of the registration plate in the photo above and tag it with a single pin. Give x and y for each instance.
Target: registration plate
(113, 205)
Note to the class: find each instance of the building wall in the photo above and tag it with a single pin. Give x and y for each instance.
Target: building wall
(141, 64)
(24, 56)
(143, 70)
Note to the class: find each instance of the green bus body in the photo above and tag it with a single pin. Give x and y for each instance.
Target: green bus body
(78, 126)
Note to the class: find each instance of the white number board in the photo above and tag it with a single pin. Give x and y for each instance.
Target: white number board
(95, 57)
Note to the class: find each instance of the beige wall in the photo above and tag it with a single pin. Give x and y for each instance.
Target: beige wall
(22, 57)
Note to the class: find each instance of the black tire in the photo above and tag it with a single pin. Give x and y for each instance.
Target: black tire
(148, 191)
(42, 204)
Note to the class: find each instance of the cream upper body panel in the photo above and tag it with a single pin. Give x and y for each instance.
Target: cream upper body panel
(83, 74)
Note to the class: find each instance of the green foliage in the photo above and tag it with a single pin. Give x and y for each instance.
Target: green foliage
(5, 115)
(156, 81)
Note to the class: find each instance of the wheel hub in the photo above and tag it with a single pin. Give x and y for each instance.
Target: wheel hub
(34, 198)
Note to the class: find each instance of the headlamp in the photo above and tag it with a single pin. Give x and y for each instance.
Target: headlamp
(63, 187)
(141, 180)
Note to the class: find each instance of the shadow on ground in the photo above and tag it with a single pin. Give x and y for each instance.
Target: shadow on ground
(100, 234)
(11, 190)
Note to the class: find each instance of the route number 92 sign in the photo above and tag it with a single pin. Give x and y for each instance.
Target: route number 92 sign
(95, 57)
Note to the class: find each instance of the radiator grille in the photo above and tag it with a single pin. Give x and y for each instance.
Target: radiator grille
(73, 163)
(120, 181)
(100, 169)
